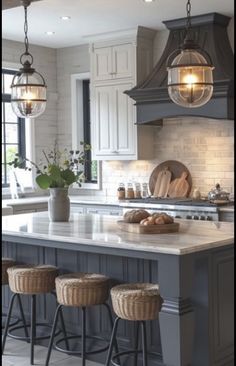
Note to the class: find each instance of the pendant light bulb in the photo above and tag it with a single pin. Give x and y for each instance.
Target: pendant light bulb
(190, 78)
(28, 88)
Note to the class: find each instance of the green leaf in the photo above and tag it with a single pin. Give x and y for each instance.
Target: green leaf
(54, 172)
(43, 181)
(68, 176)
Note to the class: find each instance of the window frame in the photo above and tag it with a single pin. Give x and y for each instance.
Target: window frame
(6, 98)
(29, 140)
(77, 105)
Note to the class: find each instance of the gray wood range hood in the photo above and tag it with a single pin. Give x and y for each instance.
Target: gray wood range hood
(151, 96)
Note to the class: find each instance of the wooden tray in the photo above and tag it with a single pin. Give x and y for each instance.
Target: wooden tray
(151, 229)
(176, 169)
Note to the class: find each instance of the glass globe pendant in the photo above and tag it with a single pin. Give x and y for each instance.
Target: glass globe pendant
(190, 79)
(28, 88)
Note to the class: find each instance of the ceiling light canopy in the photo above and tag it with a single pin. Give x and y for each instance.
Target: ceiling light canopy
(65, 17)
(50, 33)
(190, 79)
(28, 88)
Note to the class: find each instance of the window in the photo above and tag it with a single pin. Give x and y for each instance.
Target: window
(13, 128)
(81, 126)
(90, 167)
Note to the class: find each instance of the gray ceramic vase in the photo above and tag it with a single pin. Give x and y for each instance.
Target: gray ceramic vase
(59, 205)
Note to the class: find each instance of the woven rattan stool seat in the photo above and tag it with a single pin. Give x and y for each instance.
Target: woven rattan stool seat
(30, 279)
(136, 301)
(6, 263)
(82, 289)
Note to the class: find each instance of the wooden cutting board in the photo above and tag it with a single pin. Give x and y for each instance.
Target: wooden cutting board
(162, 183)
(151, 229)
(176, 168)
(179, 187)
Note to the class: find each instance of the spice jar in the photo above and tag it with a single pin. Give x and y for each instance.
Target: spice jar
(130, 191)
(121, 191)
(144, 193)
(137, 192)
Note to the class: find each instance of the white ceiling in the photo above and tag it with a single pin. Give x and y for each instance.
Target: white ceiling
(92, 17)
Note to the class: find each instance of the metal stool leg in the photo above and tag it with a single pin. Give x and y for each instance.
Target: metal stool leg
(111, 322)
(144, 343)
(64, 329)
(113, 338)
(22, 316)
(53, 334)
(62, 323)
(8, 321)
(32, 328)
(136, 343)
(83, 345)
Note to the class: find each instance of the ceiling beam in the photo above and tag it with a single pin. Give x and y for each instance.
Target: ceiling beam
(8, 4)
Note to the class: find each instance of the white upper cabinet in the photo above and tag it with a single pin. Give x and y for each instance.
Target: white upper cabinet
(113, 62)
(114, 132)
(118, 65)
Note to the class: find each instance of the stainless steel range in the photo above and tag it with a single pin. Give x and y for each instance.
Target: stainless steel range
(185, 208)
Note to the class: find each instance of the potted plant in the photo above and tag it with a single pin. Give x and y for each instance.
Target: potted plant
(59, 171)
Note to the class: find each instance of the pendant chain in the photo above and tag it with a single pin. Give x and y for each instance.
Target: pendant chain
(188, 9)
(26, 31)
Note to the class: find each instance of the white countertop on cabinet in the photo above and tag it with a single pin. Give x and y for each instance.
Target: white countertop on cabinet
(102, 230)
(73, 199)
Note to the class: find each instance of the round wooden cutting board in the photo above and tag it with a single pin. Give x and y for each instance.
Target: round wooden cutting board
(176, 169)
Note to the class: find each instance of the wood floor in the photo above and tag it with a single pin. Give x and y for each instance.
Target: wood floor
(17, 353)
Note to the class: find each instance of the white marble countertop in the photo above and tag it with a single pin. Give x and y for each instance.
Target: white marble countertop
(102, 230)
(73, 199)
(227, 209)
(93, 200)
(7, 211)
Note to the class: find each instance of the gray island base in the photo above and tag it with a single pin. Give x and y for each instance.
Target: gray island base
(194, 269)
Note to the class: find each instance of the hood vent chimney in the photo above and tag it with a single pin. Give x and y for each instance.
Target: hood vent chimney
(151, 96)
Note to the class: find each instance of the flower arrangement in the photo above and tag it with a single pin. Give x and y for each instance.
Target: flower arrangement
(62, 167)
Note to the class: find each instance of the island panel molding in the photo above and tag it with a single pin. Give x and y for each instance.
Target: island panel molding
(190, 319)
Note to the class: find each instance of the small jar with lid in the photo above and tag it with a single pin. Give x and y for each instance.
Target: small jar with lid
(121, 191)
(130, 191)
(137, 191)
(144, 192)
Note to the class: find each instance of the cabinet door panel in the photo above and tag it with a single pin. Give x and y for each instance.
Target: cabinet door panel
(103, 121)
(125, 127)
(122, 61)
(102, 63)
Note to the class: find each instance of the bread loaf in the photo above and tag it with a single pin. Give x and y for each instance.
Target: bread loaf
(160, 218)
(135, 216)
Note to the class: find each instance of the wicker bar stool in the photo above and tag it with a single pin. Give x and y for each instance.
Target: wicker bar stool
(7, 263)
(80, 290)
(137, 302)
(29, 280)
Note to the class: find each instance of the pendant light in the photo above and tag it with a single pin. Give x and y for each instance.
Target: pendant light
(28, 88)
(190, 80)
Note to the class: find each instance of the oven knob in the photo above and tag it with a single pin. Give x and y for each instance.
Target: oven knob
(178, 217)
(209, 218)
(201, 217)
(195, 217)
(188, 217)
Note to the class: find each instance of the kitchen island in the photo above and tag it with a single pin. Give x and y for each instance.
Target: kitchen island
(194, 269)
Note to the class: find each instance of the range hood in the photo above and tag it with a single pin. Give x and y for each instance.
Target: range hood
(151, 96)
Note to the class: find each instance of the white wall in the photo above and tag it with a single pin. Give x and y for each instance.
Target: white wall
(70, 60)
